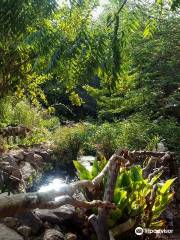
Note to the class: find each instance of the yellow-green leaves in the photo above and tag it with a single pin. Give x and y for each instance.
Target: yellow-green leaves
(166, 186)
(83, 173)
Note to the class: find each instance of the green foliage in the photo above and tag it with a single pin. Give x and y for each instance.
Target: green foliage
(67, 142)
(131, 194)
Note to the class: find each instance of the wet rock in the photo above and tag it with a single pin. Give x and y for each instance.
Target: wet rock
(28, 156)
(26, 169)
(47, 216)
(38, 160)
(31, 220)
(19, 155)
(44, 154)
(64, 213)
(7, 233)
(25, 231)
(10, 159)
(11, 222)
(71, 236)
(52, 234)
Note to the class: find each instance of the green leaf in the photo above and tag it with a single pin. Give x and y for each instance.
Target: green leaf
(155, 178)
(95, 168)
(136, 173)
(83, 173)
(167, 185)
(124, 180)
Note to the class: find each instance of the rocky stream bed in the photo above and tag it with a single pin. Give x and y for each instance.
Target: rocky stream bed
(25, 165)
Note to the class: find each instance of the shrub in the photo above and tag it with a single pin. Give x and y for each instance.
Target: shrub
(132, 195)
(67, 142)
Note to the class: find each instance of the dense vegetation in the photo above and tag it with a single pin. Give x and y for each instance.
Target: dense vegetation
(118, 71)
(88, 84)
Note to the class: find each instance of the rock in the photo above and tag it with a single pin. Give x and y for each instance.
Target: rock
(46, 156)
(31, 220)
(26, 169)
(29, 156)
(19, 155)
(38, 160)
(64, 213)
(47, 216)
(34, 159)
(10, 159)
(11, 222)
(25, 231)
(52, 234)
(7, 233)
(71, 236)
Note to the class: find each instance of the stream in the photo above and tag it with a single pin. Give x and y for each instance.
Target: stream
(53, 179)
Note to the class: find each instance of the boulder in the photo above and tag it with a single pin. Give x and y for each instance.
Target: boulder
(47, 216)
(19, 155)
(10, 159)
(11, 222)
(26, 169)
(28, 156)
(31, 220)
(25, 231)
(64, 213)
(44, 154)
(52, 234)
(71, 236)
(7, 233)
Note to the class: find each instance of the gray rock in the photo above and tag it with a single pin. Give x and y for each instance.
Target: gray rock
(19, 155)
(31, 220)
(47, 216)
(52, 234)
(71, 236)
(46, 156)
(7, 233)
(29, 156)
(26, 169)
(24, 231)
(11, 222)
(10, 159)
(64, 213)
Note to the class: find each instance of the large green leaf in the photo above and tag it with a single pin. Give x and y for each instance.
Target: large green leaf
(124, 180)
(167, 185)
(83, 173)
(136, 173)
(95, 168)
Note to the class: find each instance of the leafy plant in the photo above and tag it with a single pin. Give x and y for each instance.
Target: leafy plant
(132, 194)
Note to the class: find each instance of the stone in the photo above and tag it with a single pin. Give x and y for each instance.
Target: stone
(46, 156)
(19, 155)
(11, 222)
(25, 231)
(26, 169)
(64, 213)
(29, 156)
(38, 160)
(31, 220)
(10, 159)
(52, 234)
(71, 236)
(7, 233)
(47, 216)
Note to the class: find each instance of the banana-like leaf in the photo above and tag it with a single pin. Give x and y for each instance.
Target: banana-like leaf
(83, 173)
(155, 178)
(124, 180)
(136, 173)
(95, 168)
(166, 186)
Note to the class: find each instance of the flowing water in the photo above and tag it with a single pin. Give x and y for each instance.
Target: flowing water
(56, 179)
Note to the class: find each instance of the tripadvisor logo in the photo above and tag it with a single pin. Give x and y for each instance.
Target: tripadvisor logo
(140, 231)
